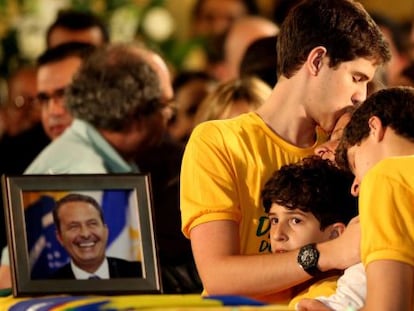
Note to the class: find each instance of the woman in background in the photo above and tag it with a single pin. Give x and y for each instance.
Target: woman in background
(232, 98)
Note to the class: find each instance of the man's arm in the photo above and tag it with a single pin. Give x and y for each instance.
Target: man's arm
(389, 286)
(224, 271)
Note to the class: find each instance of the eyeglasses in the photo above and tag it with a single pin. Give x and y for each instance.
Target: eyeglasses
(57, 95)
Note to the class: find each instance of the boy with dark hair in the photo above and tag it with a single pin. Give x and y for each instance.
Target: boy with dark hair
(308, 202)
(378, 147)
(328, 51)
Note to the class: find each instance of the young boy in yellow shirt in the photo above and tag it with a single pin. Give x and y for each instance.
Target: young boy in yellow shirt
(308, 202)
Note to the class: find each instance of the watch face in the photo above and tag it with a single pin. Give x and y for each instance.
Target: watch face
(307, 257)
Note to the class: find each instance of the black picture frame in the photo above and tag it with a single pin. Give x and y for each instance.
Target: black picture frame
(17, 188)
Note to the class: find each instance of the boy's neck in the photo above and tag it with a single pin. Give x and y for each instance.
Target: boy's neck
(284, 112)
(396, 145)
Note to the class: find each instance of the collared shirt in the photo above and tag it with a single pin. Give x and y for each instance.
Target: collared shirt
(81, 149)
(102, 272)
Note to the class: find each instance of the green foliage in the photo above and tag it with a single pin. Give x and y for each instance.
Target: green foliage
(172, 49)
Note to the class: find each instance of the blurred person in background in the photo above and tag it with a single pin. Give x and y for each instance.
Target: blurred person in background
(116, 107)
(23, 137)
(210, 21)
(400, 59)
(20, 112)
(190, 89)
(56, 68)
(71, 25)
(232, 98)
(214, 17)
(260, 60)
(240, 35)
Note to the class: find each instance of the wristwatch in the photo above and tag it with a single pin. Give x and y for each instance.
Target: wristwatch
(308, 259)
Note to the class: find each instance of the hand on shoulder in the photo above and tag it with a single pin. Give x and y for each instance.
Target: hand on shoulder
(343, 251)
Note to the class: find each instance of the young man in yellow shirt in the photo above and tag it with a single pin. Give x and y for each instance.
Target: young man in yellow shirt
(327, 53)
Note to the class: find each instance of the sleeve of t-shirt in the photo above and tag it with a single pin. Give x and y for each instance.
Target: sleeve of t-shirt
(207, 179)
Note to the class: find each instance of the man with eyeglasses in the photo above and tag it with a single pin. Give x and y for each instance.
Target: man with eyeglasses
(118, 111)
(56, 68)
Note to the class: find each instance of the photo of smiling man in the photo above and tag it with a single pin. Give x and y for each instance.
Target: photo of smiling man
(82, 231)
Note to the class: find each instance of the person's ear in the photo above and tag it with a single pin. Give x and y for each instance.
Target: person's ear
(376, 130)
(336, 230)
(315, 60)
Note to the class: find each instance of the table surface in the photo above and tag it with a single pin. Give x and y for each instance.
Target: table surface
(133, 302)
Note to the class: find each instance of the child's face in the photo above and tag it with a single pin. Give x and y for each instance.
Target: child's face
(292, 229)
(361, 158)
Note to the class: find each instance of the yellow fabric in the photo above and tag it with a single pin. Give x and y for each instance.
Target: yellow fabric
(225, 166)
(9, 301)
(325, 287)
(72, 305)
(147, 302)
(386, 204)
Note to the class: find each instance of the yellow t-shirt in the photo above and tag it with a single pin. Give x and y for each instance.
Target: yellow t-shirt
(225, 166)
(324, 287)
(386, 207)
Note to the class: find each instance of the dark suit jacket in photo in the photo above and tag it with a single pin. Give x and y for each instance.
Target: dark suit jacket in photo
(118, 268)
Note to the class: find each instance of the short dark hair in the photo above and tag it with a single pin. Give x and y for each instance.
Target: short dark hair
(65, 50)
(393, 106)
(343, 27)
(313, 185)
(77, 20)
(260, 60)
(75, 197)
(114, 86)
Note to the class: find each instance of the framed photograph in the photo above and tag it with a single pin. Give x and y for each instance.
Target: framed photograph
(81, 234)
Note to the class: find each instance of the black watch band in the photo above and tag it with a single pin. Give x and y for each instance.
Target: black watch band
(308, 258)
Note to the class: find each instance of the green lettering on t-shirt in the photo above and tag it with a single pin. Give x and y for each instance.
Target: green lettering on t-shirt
(263, 226)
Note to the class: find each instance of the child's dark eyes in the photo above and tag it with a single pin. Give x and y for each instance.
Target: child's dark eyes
(273, 220)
